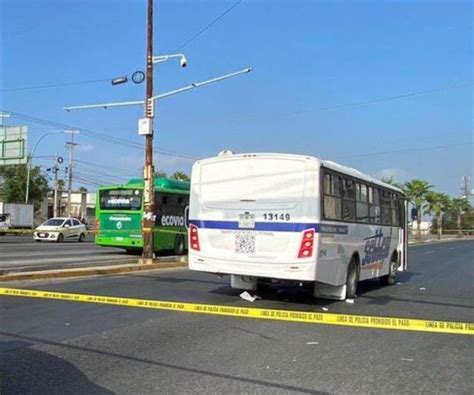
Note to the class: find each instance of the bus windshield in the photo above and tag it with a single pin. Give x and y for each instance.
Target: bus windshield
(121, 199)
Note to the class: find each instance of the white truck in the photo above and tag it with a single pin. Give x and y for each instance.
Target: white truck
(15, 215)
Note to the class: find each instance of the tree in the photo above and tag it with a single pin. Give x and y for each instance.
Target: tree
(61, 185)
(14, 187)
(460, 206)
(180, 176)
(159, 174)
(83, 189)
(416, 191)
(390, 180)
(438, 204)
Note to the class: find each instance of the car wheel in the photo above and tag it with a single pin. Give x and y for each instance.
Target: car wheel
(60, 238)
(391, 277)
(82, 236)
(352, 279)
(179, 245)
(38, 241)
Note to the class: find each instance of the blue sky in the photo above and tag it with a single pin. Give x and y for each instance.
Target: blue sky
(309, 58)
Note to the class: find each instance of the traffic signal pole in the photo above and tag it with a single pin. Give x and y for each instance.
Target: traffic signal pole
(148, 189)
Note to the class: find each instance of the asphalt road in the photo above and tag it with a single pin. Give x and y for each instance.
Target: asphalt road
(49, 346)
(20, 253)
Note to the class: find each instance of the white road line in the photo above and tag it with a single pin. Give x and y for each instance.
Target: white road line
(430, 252)
(34, 262)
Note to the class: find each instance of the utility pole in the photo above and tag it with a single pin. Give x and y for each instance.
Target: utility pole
(70, 145)
(148, 188)
(465, 192)
(55, 201)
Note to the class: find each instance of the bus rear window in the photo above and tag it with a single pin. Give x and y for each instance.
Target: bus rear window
(121, 199)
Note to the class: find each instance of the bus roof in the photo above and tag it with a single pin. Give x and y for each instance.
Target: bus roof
(325, 163)
(160, 183)
(357, 174)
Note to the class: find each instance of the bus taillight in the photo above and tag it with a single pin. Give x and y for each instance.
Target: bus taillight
(307, 244)
(194, 237)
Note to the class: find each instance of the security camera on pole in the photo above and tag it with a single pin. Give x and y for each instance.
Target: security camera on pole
(145, 125)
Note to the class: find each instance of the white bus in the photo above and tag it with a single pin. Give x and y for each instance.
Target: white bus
(277, 217)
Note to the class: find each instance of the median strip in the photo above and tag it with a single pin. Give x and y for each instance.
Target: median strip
(93, 271)
(395, 323)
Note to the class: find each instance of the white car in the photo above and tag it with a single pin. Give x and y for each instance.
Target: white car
(60, 229)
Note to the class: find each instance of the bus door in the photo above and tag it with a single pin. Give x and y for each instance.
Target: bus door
(403, 204)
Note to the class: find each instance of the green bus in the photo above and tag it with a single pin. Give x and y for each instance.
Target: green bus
(119, 214)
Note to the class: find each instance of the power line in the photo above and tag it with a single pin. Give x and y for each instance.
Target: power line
(407, 150)
(54, 85)
(102, 136)
(209, 25)
(95, 81)
(114, 169)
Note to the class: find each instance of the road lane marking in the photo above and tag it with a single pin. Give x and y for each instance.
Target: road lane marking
(406, 324)
(430, 252)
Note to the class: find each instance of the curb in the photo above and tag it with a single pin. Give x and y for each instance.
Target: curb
(419, 243)
(92, 271)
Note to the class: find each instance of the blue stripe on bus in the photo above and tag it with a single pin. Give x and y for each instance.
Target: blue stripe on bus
(271, 226)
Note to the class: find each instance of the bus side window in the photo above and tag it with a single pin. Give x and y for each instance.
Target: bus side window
(374, 208)
(331, 200)
(362, 208)
(385, 207)
(348, 200)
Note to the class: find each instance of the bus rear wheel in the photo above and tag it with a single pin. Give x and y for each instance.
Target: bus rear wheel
(179, 245)
(391, 277)
(352, 279)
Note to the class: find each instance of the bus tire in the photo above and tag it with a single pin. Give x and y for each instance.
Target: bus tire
(179, 245)
(60, 238)
(352, 279)
(391, 277)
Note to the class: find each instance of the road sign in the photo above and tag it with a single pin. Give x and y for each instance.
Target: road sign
(13, 145)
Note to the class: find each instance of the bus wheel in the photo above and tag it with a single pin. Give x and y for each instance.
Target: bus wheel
(352, 279)
(391, 277)
(179, 245)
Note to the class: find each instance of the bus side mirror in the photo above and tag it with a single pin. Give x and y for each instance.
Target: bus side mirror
(414, 214)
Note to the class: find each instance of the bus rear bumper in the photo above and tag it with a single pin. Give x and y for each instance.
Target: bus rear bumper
(297, 270)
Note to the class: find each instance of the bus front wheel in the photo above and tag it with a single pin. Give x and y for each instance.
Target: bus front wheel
(179, 245)
(352, 279)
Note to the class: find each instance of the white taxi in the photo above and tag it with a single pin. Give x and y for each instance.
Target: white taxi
(60, 229)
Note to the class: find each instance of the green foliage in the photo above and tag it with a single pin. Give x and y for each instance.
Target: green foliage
(14, 187)
(438, 203)
(390, 180)
(416, 192)
(159, 173)
(180, 176)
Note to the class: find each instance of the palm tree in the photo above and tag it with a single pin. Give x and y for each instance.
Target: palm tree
(460, 206)
(438, 204)
(416, 191)
(180, 176)
(391, 181)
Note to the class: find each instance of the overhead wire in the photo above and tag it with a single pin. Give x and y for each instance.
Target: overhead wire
(98, 80)
(101, 136)
(209, 25)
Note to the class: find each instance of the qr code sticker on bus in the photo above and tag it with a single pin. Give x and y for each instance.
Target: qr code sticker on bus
(245, 242)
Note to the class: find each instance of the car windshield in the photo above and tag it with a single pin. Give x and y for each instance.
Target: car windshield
(53, 222)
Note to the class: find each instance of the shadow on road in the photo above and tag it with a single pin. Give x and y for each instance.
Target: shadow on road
(25, 370)
(55, 369)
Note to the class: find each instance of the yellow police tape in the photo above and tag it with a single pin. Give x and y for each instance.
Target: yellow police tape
(405, 324)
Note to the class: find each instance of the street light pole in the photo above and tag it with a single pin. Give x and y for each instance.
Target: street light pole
(148, 188)
(70, 144)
